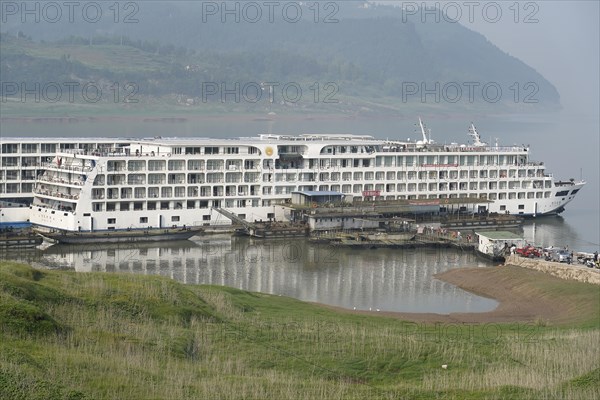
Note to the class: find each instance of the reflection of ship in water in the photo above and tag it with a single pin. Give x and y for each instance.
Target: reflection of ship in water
(553, 231)
(400, 280)
(112, 257)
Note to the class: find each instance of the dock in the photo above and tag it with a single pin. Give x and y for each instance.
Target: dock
(498, 222)
(392, 241)
(19, 240)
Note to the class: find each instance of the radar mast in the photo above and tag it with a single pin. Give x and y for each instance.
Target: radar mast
(475, 135)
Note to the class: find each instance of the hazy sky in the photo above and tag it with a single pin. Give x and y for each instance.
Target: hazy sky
(563, 45)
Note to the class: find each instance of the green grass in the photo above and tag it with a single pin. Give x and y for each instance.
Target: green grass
(67, 335)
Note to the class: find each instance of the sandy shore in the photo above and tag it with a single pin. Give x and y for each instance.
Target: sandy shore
(523, 294)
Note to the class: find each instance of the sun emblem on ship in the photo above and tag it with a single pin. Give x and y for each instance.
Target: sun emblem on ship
(269, 151)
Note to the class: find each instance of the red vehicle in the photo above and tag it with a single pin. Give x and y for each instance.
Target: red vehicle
(529, 251)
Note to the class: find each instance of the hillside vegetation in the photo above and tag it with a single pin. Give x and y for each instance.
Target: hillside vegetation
(97, 336)
(368, 60)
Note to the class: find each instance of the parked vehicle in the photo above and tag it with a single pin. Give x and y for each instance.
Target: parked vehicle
(548, 251)
(529, 251)
(584, 258)
(562, 256)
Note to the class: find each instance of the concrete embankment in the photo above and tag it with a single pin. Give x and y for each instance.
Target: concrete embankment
(564, 271)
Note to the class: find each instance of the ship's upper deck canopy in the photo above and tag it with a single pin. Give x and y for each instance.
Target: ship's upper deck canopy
(316, 137)
(311, 145)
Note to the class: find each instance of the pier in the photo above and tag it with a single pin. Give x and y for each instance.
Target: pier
(19, 238)
(393, 241)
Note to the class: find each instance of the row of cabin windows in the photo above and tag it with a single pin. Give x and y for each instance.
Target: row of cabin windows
(29, 148)
(52, 148)
(179, 165)
(237, 177)
(255, 190)
(16, 188)
(244, 203)
(393, 160)
(143, 220)
(190, 204)
(520, 206)
(177, 191)
(213, 150)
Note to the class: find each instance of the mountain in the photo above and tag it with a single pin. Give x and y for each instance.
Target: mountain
(374, 53)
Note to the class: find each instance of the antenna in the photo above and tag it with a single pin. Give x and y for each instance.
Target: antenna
(475, 135)
(424, 132)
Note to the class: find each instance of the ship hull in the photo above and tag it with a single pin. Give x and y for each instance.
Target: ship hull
(137, 236)
(14, 217)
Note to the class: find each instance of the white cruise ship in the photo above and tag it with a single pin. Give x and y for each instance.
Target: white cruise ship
(22, 160)
(140, 183)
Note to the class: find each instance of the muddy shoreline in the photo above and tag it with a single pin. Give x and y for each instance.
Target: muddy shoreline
(518, 291)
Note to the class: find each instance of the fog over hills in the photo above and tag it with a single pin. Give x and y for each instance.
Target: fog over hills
(375, 53)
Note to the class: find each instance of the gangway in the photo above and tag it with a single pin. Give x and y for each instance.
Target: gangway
(248, 226)
(265, 230)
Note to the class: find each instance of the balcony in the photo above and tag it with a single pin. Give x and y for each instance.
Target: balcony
(60, 181)
(70, 168)
(57, 195)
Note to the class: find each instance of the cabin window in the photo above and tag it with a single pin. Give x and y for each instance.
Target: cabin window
(29, 148)
(175, 218)
(111, 221)
(10, 148)
(48, 148)
(143, 220)
(192, 150)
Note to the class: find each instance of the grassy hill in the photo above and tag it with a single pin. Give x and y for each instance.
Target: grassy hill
(67, 335)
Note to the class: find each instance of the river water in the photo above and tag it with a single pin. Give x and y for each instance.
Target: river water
(384, 279)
